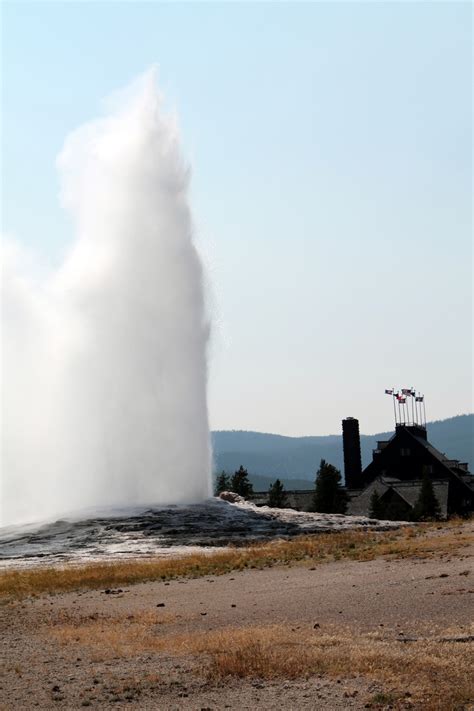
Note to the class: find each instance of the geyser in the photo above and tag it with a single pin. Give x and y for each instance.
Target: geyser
(104, 360)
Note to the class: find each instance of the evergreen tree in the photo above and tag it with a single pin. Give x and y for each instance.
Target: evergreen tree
(427, 505)
(329, 496)
(276, 495)
(397, 511)
(222, 483)
(376, 506)
(240, 483)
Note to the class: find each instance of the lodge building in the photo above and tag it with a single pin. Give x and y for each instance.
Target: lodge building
(397, 468)
(395, 472)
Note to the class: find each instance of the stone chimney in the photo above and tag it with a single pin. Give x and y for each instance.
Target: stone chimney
(352, 456)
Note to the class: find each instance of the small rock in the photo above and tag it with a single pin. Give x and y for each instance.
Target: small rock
(160, 604)
(316, 626)
(231, 497)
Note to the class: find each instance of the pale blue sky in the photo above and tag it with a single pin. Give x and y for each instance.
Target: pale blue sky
(331, 153)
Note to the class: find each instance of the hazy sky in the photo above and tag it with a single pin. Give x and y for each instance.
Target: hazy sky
(330, 146)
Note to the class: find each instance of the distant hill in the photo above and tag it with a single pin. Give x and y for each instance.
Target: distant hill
(297, 458)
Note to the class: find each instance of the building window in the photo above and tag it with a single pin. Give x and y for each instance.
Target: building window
(405, 452)
(428, 468)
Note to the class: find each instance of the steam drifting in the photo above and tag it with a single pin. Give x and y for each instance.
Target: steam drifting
(104, 361)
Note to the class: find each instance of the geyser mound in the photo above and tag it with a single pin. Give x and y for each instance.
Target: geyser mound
(104, 360)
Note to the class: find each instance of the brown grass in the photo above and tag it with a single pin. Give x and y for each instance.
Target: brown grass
(110, 636)
(429, 669)
(436, 674)
(420, 541)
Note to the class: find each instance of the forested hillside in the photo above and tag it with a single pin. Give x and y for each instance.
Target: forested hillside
(290, 458)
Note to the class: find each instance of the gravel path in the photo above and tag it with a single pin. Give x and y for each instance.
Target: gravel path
(407, 598)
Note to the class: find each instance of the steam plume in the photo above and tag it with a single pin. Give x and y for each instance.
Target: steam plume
(104, 361)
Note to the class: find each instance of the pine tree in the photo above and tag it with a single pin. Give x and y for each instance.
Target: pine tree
(427, 505)
(376, 506)
(222, 483)
(397, 511)
(240, 483)
(276, 495)
(329, 496)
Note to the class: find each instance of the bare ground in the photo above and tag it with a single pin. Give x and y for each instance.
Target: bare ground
(339, 635)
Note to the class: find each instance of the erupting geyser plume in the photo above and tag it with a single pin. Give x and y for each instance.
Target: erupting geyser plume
(104, 361)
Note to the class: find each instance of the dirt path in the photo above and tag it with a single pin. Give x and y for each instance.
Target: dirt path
(64, 652)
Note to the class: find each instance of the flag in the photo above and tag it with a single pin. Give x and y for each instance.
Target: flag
(406, 391)
(401, 399)
(419, 398)
(389, 392)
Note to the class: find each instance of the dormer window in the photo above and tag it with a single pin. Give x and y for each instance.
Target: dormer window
(405, 451)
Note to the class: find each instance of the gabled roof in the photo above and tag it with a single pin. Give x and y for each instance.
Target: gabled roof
(407, 490)
(410, 490)
(452, 466)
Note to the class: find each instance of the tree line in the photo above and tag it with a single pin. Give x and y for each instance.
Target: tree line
(331, 497)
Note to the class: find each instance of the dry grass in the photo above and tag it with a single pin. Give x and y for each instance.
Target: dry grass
(110, 636)
(82, 624)
(436, 674)
(412, 541)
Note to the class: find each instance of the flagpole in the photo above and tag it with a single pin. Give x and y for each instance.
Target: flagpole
(412, 408)
(424, 409)
(394, 408)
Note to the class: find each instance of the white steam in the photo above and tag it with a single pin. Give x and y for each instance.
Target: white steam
(104, 361)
